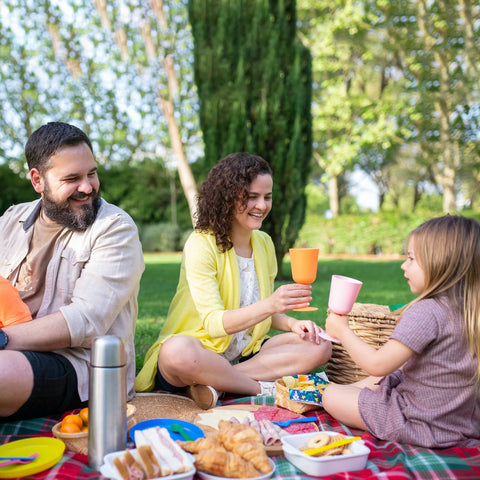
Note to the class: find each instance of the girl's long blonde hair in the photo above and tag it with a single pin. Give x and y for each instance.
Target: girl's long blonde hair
(448, 251)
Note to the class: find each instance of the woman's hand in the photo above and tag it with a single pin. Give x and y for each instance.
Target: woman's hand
(307, 330)
(290, 296)
(336, 324)
(284, 299)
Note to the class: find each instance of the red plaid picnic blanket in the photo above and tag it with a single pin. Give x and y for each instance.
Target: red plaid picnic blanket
(387, 460)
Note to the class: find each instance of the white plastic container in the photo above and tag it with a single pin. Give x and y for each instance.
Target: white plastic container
(322, 466)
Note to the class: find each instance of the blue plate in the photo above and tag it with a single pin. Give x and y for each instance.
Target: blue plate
(189, 428)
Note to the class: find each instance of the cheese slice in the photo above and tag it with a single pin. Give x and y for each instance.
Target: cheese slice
(211, 419)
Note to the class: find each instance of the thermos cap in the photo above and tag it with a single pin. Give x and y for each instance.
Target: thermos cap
(108, 351)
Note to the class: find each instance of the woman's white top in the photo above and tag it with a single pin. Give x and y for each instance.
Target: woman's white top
(249, 293)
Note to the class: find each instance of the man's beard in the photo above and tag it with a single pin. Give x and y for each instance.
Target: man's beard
(62, 213)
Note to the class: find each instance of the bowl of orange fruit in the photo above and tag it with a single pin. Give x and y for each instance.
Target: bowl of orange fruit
(73, 429)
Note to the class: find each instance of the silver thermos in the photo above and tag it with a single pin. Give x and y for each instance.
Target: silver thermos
(107, 404)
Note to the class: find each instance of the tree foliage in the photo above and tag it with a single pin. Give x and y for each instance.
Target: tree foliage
(254, 84)
(395, 89)
(99, 65)
(437, 47)
(146, 190)
(14, 188)
(392, 77)
(355, 100)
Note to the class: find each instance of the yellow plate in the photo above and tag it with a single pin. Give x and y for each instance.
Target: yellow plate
(50, 451)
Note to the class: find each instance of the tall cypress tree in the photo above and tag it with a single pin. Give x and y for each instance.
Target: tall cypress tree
(254, 83)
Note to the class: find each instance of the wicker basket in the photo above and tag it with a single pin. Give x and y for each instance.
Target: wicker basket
(374, 325)
(282, 400)
(78, 442)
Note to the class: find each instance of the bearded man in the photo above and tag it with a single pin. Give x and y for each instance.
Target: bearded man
(76, 261)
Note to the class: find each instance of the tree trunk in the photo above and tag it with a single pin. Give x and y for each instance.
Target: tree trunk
(173, 198)
(333, 196)
(449, 198)
(381, 199)
(184, 170)
(417, 194)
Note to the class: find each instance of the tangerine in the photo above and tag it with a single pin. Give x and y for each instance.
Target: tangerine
(70, 428)
(84, 415)
(84, 428)
(73, 419)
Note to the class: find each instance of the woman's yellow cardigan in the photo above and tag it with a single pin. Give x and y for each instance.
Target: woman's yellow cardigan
(209, 285)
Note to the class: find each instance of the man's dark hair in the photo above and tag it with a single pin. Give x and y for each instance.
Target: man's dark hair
(48, 139)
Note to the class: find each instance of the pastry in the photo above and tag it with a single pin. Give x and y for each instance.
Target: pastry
(246, 442)
(254, 453)
(230, 433)
(319, 440)
(222, 463)
(204, 443)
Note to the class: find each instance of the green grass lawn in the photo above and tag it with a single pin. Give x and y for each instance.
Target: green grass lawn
(383, 283)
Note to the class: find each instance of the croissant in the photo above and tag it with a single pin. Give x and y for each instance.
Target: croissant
(219, 462)
(246, 442)
(200, 444)
(230, 434)
(255, 453)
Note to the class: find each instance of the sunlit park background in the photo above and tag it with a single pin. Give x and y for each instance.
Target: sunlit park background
(368, 112)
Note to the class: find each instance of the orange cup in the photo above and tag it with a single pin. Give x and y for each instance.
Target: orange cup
(304, 262)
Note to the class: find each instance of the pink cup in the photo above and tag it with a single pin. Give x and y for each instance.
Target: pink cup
(343, 293)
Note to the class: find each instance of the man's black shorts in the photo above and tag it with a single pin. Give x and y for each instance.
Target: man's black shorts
(54, 387)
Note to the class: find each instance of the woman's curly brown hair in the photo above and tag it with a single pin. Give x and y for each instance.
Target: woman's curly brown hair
(227, 183)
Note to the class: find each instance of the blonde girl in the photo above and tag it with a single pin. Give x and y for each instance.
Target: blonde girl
(425, 380)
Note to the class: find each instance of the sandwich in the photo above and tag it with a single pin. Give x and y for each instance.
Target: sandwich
(138, 465)
(128, 467)
(156, 455)
(149, 463)
(170, 457)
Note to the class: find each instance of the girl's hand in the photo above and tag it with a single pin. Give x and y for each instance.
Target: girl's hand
(336, 324)
(307, 330)
(290, 296)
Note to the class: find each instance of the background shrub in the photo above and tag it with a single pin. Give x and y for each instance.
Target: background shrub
(161, 237)
(382, 233)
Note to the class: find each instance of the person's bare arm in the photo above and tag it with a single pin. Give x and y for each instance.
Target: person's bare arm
(41, 334)
(285, 298)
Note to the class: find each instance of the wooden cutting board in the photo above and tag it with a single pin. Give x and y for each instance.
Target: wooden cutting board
(272, 450)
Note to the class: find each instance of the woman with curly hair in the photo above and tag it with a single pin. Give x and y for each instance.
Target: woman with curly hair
(215, 336)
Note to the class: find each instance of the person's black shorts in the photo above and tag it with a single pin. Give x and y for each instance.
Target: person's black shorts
(54, 387)
(162, 384)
